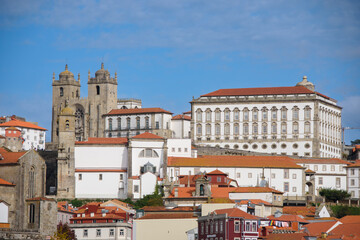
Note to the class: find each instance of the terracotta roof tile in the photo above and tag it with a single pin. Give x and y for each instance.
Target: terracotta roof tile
(350, 219)
(188, 112)
(255, 201)
(346, 229)
(254, 190)
(299, 210)
(355, 164)
(168, 216)
(234, 161)
(259, 91)
(147, 135)
(322, 161)
(288, 218)
(181, 117)
(104, 141)
(164, 209)
(309, 171)
(235, 212)
(221, 192)
(183, 192)
(10, 157)
(137, 111)
(22, 124)
(216, 172)
(5, 183)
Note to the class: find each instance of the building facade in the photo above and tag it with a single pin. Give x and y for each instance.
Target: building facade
(353, 179)
(281, 120)
(102, 97)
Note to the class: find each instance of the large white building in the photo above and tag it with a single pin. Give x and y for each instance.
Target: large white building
(33, 135)
(281, 120)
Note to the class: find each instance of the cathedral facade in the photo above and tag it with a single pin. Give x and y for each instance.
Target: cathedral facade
(102, 97)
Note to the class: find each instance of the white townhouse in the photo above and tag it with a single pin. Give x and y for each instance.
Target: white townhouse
(353, 179)
(33, 135)
(122, 167)
(294, 120)
(280, 172)
(324, 173)
(132, 122)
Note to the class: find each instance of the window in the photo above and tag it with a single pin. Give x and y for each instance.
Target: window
(246, 114)
(273, 175)
(208, 115)
(85, 233)
(202, 228)
(307, 127)
(315, 167)
(67, 124)
(110, 124)
(147, 122)
(255, 114)
(294, 176)
(157, 125)
(352, 171)
(32, 213)
(217, 129)
(283, 128)
(236, 114)
(97, 90)
(264, 128)
(236, 226)
(208, 129)
(247, 226)
(254, 227)
(32, 180)
(119, 123)
(295, 113)
(274, 114)
(216, 226)
(217, 115)
(227, 114)
(80, 176)
(249, 175)
(294, 189)
(286, 173)
(61, 92)
(221, 226)
(227, 129)
(283, 113)
(332, 168)
(136, 188)
(238, 175)
(295, 128)
(218, 179)
(100, 177)
(307, 113)
(236, 129)
(273, 128)
(320, 181)
(185, 149)
(98, 232)
(199, 129)
(137, 122)
(255, 129)
(352, 182)
(111, 232)
(128, 123)
(286, 187)
(338, 182)
(121, 232)
(324, 167)
(199, 115)
(246, 128)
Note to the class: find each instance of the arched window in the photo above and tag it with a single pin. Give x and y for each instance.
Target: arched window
(128, 123)
(307, 127)
(255, 112)
(199, 115)
(246, 128)
(283, 113)
(110, 124)
(217, 129)
(264, 114)
(283, 128)
(295, 113)
(61, 92)
(246, 114)
(97, 90)
(148, 152)
(307, 113)
(77, 94)
(295, 128)
(227, 129)
(236, 114)
(67, 124)
(147, 122)
(264, 128)
(31, 189)
(218, 115)
(274, 128)
(199, 129)
(208, 129)
(138, 122)
(274, 113)
(255, 128)
(208, 115)
(236, 129)
(227, 114)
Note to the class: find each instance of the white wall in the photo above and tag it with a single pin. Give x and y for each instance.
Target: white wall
(148, 183)
(353, 181)
(180, 128)
(4, 213)
(34, 138)
(179, 147)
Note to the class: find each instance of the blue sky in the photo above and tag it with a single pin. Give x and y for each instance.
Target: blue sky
(165, 52)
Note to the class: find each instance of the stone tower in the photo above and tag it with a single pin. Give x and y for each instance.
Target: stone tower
(102, 98)
(65, 160)
(64, 89)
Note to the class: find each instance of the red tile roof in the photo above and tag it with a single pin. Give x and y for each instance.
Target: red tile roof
(137, 111)
(347, 230)
(5, 183)
(309, 171)
(355, 164)
(164, 209)
(234, 161)
(255, 190)
(300, 210)
(181, 117)
(65, 207)
(1, 136)
(350, 219)
(100, 170)
(321, 161)
(259, 91)
(216, 172)
(221, 192)
(188, 112)
(288, 218)
(183, 192)
(10, 157)
(22, 124)
(104, 141)
(235, 212)
(168, 216)
(255, 201)
(147, 135)
(286, 236)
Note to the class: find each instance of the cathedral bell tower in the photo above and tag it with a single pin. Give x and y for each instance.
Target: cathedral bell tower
(65, 160)
(66, 88)
(102, 97)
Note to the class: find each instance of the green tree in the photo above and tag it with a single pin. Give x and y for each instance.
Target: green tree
(355, 142)
(63, 233)
(76, 202)
(334, 194)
